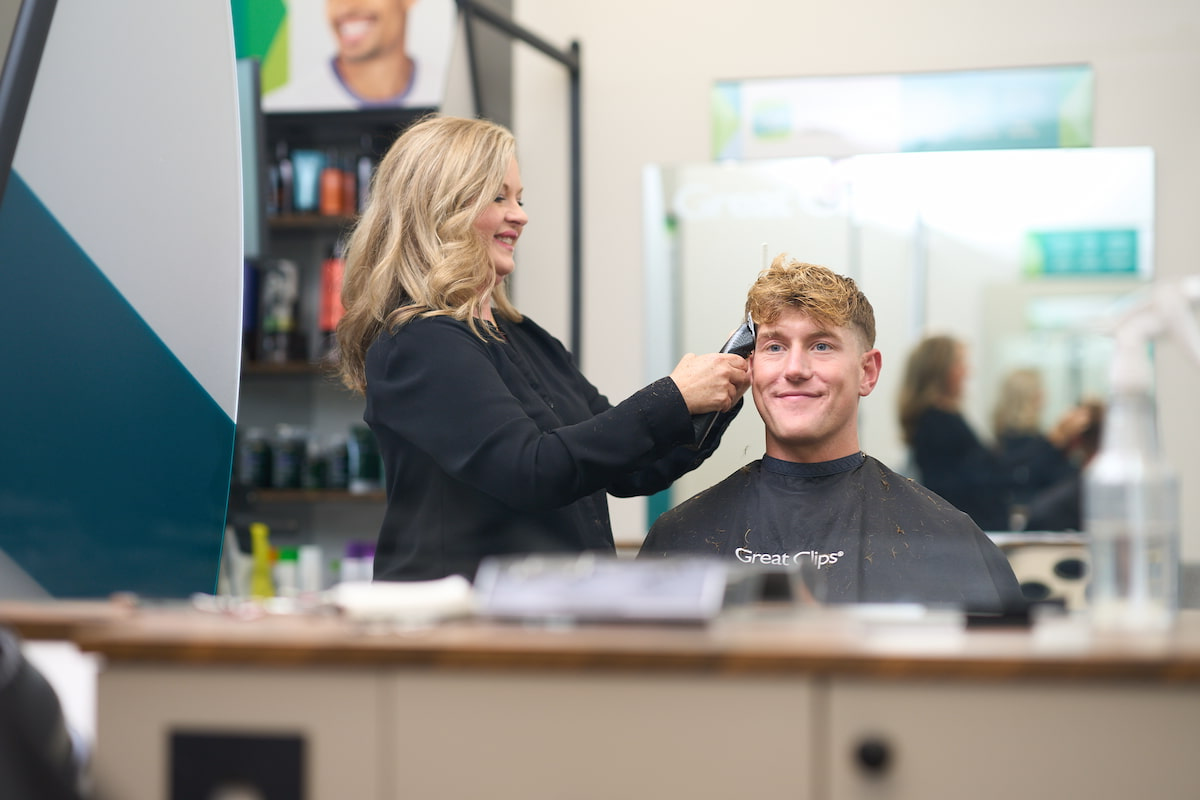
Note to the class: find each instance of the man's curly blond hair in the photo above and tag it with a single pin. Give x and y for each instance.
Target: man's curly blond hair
(828, 298)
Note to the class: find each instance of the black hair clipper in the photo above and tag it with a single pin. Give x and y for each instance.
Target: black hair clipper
(741, 343)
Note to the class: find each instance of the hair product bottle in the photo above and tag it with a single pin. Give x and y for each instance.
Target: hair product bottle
(333, 270)
(261, 585)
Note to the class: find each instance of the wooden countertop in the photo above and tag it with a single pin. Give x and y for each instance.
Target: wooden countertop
(830, 643)
(60, 619)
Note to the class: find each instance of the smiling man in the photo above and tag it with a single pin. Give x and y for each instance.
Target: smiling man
(385, 53)
(815, 497)
(371, 61)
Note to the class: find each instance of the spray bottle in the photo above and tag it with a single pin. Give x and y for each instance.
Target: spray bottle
(1131, 494)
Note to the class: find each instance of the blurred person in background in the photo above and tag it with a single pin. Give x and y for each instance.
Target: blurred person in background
(950, 459)
(39, 759)
(1033, 459)
(1059, 507)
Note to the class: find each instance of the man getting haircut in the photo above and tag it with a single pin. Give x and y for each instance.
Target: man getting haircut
(814, 496)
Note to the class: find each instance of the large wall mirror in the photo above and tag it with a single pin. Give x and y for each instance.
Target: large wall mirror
(1020, 253)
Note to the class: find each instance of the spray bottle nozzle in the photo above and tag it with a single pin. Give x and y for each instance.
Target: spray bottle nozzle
(1165, 309)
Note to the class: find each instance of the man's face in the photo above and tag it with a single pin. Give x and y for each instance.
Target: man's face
(366, 29)
(807, 379)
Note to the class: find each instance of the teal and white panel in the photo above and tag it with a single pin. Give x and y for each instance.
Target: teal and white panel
(121, 260)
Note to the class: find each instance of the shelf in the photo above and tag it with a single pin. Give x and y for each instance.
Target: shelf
(372, 130)
(310, 222)
(309, 496)
(303, 368)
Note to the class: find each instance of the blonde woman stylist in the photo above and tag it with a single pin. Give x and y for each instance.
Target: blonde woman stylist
(492, 440)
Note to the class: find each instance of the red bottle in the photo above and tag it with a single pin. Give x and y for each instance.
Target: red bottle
(330, 311)
(331, 187)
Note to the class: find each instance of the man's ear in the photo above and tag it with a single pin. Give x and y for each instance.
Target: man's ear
(872, 361)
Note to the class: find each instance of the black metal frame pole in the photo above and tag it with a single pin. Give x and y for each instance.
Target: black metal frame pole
(472, 59)
(576, 209)
(570, 59)
(31, 27)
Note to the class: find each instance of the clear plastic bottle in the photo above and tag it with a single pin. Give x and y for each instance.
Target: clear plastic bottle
(286, 572)
(1131, 494)
(1131, 508)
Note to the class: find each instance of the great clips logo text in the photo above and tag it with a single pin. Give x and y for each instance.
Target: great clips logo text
(747, 556)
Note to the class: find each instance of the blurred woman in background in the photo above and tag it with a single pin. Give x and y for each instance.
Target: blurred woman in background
(1032, 458)
(950, 458)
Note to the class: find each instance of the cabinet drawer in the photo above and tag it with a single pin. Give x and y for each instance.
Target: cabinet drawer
(1061, 740)
(554, 736)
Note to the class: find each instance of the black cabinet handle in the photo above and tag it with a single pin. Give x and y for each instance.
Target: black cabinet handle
(873, 755)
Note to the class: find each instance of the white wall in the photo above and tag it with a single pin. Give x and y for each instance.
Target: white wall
(647, 70)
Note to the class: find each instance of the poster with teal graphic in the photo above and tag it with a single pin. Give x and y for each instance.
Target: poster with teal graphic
(338, 55)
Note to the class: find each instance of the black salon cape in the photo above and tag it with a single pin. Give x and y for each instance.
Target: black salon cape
(503, 447)
(876, 536)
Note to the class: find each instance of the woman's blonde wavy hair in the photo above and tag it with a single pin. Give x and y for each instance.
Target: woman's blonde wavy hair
(415, 251)
(1019, 403)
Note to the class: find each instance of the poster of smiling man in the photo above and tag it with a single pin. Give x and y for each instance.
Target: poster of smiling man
(337, 55)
